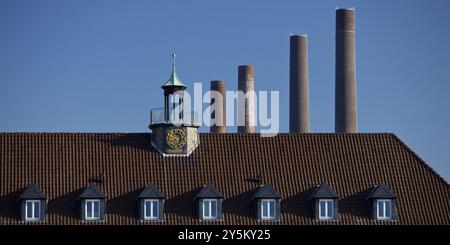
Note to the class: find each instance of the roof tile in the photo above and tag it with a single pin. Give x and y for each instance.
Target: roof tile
(61, 164)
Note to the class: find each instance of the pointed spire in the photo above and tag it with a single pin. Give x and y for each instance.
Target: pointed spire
(174, 81)
(174, 56)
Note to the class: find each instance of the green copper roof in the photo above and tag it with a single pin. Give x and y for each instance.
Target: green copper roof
(173, 81)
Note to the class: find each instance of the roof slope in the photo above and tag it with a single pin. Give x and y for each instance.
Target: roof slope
(32, 192)
(150, 191)
(92, 191)
(324, 191)
(62, 164)
(381, 191)
(267, 191)
(209, 191)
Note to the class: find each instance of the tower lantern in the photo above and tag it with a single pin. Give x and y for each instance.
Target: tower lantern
(174, 128)
(172, 86)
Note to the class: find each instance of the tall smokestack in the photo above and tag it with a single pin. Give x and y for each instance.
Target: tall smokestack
(219, 106)
(345, 93)
(246, 85)
(298, 79)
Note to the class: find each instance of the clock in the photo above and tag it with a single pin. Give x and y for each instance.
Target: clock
(176, 138)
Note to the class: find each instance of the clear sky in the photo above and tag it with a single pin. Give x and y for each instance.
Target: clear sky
(97, 66)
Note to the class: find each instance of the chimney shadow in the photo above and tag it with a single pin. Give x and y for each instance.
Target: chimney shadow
(66, 205)
(124, 205)
(298, 204)
(241, 204)
(183, 205)
(9, 204)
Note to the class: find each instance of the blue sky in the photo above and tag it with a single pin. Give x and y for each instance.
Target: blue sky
(97, 66)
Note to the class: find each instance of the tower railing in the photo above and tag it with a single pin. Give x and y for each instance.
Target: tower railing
(180, 117)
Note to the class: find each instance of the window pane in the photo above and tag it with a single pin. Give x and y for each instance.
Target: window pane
(89, 209)
(155, 209)
(147, 209)
(330, 209)
(37, 210)
(206, 212)
(388, 209)
(264, 208)
(213, 208)
(272, 209)
(96, 209)
(380, 209)
(322, 209)
(29, 210)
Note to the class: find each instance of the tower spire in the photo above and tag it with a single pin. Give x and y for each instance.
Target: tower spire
(174, 81)
(174, 56)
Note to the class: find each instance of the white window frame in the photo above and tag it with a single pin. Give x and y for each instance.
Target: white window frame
(209, 216)
(93, 209)
(384, 216)
(268, 217)
(151, 216)
(33, 213)
(326, 215)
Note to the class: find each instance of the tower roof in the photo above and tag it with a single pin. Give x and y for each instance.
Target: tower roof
(173, 81)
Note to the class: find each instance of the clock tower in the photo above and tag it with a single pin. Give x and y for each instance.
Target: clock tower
(174, 127)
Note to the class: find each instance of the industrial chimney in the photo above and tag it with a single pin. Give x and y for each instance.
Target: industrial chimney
(298, 80)
(246, 85)
(345, 91)
(219, 106)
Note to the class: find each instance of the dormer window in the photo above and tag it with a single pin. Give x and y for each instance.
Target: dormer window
(92, 209)
(384, 209)
(92, 203)
(382, 203)
(267, 201)
(32, 210)
(151, 209)
(209, 203)
(324, 202)
(209, 209)
(32, 204)
(150, 204)
(326, 207)
(268, 209)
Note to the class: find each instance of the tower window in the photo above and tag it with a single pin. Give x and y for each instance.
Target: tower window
(326, 209)
(209, 208)
(92, 209)
(267, 209)
(384, 209)
(32, 210)
(151, 207)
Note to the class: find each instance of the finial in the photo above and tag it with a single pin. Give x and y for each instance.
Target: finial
(174, 80)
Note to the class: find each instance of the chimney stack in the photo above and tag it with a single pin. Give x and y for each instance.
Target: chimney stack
(246, 85)
(219, 107)
(345, 91)
(298, 80)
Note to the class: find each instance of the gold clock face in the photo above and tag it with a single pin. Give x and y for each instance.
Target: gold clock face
(176, 138)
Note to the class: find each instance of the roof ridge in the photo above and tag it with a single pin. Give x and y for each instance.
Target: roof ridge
(421, 161)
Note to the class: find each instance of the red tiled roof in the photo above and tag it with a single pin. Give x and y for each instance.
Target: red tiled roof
(62, 164)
